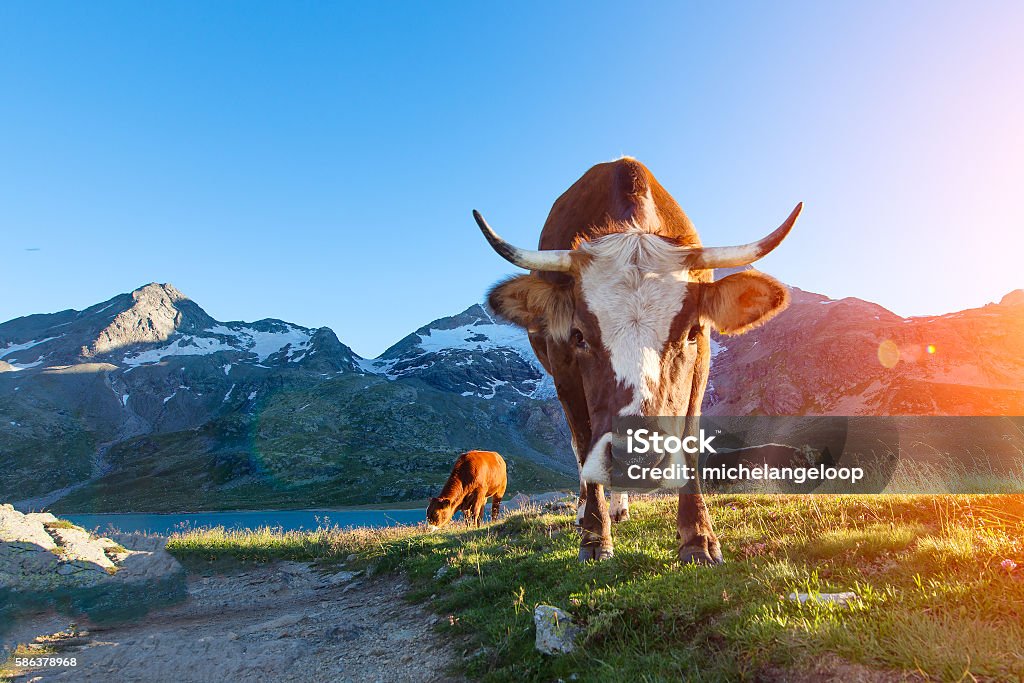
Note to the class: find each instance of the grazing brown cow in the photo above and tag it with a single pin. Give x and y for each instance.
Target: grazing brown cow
(476, 476)
(619, 308)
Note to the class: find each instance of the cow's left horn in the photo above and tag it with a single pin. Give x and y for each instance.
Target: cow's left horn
(549, 260)
(731, 257)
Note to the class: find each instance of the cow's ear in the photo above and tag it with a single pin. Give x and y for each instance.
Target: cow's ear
(743, 301)
(535, 304)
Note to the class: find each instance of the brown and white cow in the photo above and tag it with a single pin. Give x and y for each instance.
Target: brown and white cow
(619, 305)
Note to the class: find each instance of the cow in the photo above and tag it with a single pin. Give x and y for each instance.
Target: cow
(619, 305)
(476, 476)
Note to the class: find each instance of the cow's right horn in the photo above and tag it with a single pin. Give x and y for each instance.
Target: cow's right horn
(559, 260)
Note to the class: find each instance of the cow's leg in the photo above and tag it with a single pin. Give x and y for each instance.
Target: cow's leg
(496, 505)
(620, 507)
(697, 541)
(470, 505)
(478, 509)
(597, 526)
(581, 505)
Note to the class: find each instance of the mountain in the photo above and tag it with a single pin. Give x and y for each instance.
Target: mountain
(472, 354)
(850, 357)
(156, 322)
(145, 402)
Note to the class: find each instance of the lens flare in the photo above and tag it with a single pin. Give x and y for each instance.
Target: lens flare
(930, 348)
(888, 354)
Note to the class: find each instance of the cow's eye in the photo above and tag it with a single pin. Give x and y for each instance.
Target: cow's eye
(693, 334)
(578, 341)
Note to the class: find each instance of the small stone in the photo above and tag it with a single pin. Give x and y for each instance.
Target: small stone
(556, 634)
(341, 577)
(837, 598)
(442, 571)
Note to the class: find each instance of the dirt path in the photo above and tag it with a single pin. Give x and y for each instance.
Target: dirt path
(280, 622)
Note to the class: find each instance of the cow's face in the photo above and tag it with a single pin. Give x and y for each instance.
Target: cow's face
(439, 512)
(635, 324)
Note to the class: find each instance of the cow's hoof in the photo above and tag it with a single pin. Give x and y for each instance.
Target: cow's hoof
(620, 516)
(694, 554)
(596, 554)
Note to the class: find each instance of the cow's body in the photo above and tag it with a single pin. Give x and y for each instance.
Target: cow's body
(618, 308)
(476, 476)
(608, 197)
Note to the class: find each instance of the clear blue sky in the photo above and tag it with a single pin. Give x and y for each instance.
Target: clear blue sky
(318, 162)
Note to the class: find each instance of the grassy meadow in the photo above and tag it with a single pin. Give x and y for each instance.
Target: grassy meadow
(939, 593)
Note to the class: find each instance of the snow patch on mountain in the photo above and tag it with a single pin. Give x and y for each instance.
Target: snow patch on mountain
(261, 343)
(187, 345)
(266, 343)
(12, 348)
(478, 337)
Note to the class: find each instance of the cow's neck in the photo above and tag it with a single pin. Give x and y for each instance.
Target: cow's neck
(453, 490)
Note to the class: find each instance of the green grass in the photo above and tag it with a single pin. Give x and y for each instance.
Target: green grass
(61, 524)
(933, 597)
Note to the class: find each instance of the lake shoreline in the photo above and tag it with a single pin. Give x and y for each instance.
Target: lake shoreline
(302, 519)
(420, 504)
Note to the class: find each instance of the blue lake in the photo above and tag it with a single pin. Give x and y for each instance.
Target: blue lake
(288, 520)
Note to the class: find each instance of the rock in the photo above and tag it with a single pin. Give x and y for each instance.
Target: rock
(18, 528)
(49, 564)
(837, 598)
(42, 517)
(293, 568)
(442, 571)
(78, 545)
(341, 577)
(556, 634)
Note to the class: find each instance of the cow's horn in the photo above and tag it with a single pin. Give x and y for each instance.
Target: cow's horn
(550, 260)
(731, 257)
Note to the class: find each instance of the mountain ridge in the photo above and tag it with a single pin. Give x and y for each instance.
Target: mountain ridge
(146, 392)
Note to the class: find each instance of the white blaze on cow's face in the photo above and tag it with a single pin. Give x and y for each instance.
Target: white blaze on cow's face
(634, 288)
(632, 295)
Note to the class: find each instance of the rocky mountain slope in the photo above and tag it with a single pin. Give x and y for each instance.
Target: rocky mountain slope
(145, 402)
(851, 357)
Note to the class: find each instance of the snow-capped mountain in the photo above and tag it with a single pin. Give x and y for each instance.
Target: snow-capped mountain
(157, 322)
(251, 412)
(472, 354)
